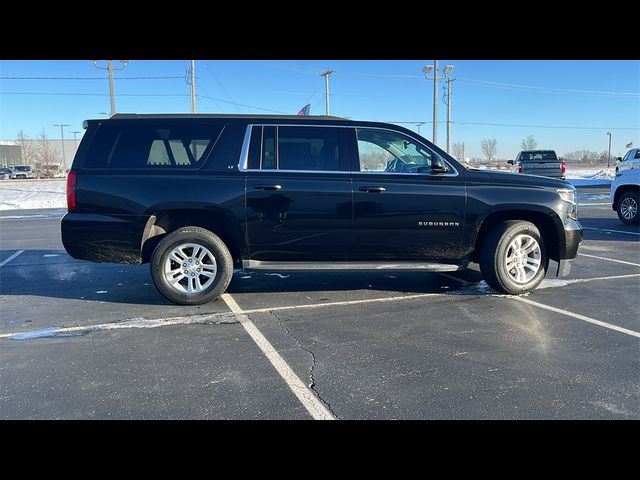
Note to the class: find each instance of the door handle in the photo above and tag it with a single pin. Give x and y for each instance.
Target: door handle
(373, 189)
(268, 187)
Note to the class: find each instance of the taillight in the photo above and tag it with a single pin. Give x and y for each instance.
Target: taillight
(564, 167)
(519, 168)
(71, 191)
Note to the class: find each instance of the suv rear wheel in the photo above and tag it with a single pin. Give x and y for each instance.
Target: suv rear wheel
(628, 208)
(513, 258)
(191, 266)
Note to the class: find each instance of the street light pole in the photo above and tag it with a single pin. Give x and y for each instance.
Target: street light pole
(74, 138)
(64, 158)
(418, 125)
(326, 74)
(110, 69)
(427, 71)
(609, 156)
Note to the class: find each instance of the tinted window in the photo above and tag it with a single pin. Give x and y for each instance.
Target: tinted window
(308, 148)
(391, 152)
(637, 154)
(148, 146)
(537, 156)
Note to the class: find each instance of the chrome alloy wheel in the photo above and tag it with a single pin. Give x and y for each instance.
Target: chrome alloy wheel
(523, 258)
(629, 208)
(190, 268)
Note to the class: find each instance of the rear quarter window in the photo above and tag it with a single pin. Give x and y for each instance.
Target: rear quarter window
(180, 147)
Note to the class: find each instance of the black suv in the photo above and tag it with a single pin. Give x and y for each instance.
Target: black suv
(197, 195)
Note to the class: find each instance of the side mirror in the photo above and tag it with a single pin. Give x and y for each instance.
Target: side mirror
(438, 166)
(510, 162)
(618, 159)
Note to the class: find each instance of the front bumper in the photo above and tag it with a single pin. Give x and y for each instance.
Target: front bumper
(573, 239)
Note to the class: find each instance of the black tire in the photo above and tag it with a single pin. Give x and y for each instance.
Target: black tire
(627, 208)
(494, 254)
(205, 238)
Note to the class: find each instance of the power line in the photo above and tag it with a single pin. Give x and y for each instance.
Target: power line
(242, 104)
(224, 90)
(87, 78)
(546, 89)
(76, 94)
(572, 127)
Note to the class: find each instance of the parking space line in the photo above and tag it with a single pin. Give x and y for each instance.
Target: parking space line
(11, 258)
(306, 396)
(600, 323)
(609, 230)
(610, 259)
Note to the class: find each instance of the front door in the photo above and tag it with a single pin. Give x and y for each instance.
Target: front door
(403, 210)
(298, 201)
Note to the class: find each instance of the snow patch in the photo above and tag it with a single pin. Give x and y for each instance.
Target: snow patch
(33, 194)
(277, 275)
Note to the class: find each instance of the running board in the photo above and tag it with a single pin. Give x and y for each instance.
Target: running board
(319, 266)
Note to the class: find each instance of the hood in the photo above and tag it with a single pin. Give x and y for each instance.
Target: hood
(511, 178)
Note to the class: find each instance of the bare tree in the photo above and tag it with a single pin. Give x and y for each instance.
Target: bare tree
(27, 151)
(45, 154)
(458, 151)
(489, 148)
(529, 143)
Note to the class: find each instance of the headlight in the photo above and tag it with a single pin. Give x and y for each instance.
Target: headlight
(569, 196)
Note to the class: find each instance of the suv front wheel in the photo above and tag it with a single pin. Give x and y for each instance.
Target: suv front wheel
(513, 258)
(191, 266)
(628, 208)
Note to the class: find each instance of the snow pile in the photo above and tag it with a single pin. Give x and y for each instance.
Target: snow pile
(26, 194)
(594, 173)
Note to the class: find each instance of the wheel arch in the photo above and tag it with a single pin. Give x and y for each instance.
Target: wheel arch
(621, 190)
(222, 223)
(549, 226)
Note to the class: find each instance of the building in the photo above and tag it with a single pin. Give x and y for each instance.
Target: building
(10, 152)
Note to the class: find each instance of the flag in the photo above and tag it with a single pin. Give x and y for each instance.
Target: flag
(628, 145)
(304, 111)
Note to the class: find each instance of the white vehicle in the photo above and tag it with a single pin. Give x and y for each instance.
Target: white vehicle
(624, 195)
(630, 161)
(22, 171)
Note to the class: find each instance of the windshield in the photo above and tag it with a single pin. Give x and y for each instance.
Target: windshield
(22, 168)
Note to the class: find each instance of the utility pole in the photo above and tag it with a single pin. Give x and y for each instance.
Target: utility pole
(418, 125)
(64, 158)
(449, 82)
(609, 156)
(463, 152)
(193, 86)
(435, 102)
(110, 69)
(326, 75)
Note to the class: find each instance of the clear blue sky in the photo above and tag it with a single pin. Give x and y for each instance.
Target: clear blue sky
(547, 95)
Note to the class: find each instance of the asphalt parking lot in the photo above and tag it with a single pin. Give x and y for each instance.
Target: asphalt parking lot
(80, 340)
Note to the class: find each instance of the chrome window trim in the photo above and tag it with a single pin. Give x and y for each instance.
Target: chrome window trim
(244, 153)
(271, 170)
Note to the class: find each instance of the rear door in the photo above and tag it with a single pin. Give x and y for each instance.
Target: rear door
(402, 210)
(298, 201)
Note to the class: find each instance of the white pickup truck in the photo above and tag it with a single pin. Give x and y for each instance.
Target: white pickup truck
(625, 190)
